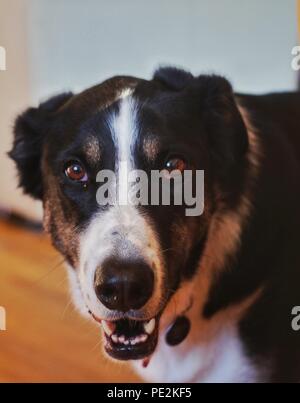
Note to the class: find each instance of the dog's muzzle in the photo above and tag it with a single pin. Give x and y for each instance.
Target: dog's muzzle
(124, 287)
(121, 277)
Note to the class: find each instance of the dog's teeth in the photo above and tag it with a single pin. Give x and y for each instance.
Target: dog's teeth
(115, 338)
(149, 326)
(122, 339)
(108, 327)
(143, 338)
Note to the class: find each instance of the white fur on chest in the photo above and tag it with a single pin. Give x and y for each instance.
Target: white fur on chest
(219, 360)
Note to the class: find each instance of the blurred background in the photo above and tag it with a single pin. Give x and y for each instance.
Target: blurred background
(57, 45)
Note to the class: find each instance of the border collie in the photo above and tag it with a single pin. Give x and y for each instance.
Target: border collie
(203, 298)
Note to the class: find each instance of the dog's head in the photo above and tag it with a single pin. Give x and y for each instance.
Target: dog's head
(128, 260)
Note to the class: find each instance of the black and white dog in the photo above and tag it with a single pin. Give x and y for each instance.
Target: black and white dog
(203, 298)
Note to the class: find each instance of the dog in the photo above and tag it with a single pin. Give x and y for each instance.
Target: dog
(204, 298)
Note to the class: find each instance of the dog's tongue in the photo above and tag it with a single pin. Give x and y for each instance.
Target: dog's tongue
(176, 333)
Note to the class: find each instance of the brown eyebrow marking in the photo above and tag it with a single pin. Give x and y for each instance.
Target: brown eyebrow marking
(151, 147)
(91, 149)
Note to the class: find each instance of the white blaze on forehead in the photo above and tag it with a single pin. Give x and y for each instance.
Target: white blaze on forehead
(124, 133)
(123, 127)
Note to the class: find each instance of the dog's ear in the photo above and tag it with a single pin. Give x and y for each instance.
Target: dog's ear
(227, 133)
(212, 97)
(29, 131)
(173, 78)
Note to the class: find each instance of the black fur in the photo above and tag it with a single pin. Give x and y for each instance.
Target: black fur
(30, 130)
(174, 78)
(269, 254)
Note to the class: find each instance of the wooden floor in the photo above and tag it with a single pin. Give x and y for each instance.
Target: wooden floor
(46, 340)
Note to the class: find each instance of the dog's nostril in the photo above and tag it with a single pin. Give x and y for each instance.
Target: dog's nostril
(108, 291)
(124, 285)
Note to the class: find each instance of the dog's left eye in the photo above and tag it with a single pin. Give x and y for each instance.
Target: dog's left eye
(76, 172)
(175, 164)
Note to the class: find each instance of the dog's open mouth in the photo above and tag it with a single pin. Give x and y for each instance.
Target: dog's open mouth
(128, 339)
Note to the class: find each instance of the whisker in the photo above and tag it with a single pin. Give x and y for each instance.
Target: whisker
(167, 250)
(57, 265)
(66, 308)
(97, 345)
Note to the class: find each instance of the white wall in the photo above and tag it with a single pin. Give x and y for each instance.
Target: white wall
(76, 43)
(15, 96)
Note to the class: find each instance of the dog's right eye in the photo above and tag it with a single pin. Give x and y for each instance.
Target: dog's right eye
(76, 172)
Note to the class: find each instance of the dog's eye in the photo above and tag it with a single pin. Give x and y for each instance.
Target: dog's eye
(175, 164)
(76, 172)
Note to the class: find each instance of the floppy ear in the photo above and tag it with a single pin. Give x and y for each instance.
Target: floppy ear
(172, 77)
(29, 131)
(212, 97)
(227, 133)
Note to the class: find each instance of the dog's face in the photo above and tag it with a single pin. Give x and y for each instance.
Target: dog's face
(127, 260)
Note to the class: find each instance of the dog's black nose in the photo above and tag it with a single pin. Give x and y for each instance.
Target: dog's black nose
(124, 285)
